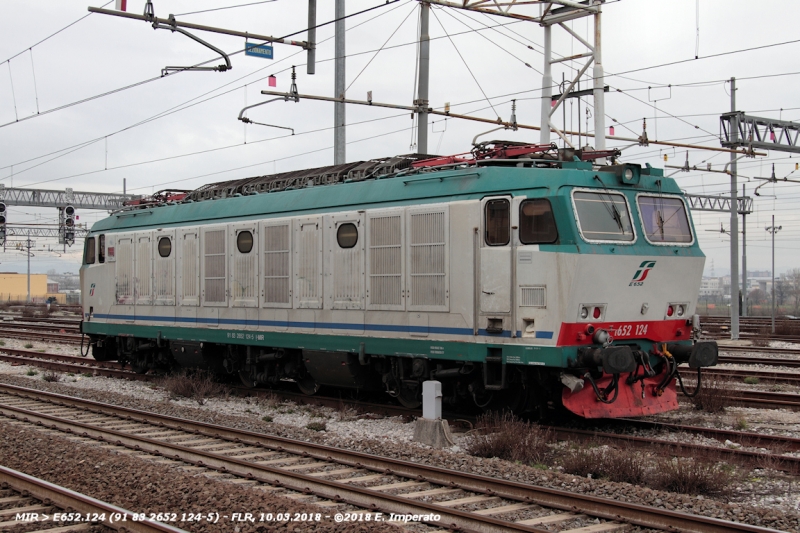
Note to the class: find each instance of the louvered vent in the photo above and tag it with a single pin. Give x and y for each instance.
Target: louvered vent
(348, 276)
(386, 260)
(144, 263)
(277, 281)
(244, 282)
(428, 259)
(214, 266)
(533, 297)
(309, 284)
(124, 271)
(164, 277)
(189, 274)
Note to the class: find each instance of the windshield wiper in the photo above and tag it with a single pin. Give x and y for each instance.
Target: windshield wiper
(612, 209)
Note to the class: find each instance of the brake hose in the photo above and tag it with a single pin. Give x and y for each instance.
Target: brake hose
(88, 345)
(602, 395)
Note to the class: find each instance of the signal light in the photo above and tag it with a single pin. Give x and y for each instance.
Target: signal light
(2, 223)
(596, 313)
(69, 225)
(670, 310)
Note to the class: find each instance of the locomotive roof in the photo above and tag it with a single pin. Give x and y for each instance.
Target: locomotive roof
(399, 189)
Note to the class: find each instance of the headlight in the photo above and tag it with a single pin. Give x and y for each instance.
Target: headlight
(584, 312)
(681, 310)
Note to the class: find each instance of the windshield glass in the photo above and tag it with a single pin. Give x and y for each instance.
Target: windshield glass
(603, 216)
(664, 219)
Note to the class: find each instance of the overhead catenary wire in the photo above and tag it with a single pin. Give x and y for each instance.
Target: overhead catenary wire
(71, 149)
(224, 8)
(206, 151)
(149, 80)
(33, 73)
(449, 13)
(465, 62)
(378, 51)
(51, 35)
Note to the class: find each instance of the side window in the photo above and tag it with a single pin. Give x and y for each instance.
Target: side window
(536, 222)
(347, 235)
(101, 249)
(164, 247)
(497, 222)
(88, 252)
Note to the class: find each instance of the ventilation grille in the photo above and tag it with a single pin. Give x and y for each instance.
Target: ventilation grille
(308, 283)
(215, 266)
(164, 278)
(386, 260)
(189, 255)
(244, 283)
(533, 297)
(427, 261)
(124, 271)
(277, 286)
(144, 288)
(348, 276)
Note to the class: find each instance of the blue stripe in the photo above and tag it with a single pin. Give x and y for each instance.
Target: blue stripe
(321, 325)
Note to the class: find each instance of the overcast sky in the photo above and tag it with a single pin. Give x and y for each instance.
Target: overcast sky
(181, 130)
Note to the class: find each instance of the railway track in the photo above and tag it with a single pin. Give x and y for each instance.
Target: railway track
(69, 364)
(46, 335)
(459, 499)
(766, 376)
(766, 361)
(42, 326)
(25, 496)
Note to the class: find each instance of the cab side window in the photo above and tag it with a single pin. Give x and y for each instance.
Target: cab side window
(101, 249)
(498, 222)
(536, 222)
(88, 252)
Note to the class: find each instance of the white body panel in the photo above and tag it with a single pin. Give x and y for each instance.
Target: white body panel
(411, 274)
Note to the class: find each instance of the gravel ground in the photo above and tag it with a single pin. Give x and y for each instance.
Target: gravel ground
(145, 486)
(765, 498)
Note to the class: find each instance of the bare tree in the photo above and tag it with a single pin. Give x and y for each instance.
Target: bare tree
(793, 276)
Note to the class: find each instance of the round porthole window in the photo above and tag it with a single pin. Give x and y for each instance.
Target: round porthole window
(347, 235)
(164, 246)
(244, 242)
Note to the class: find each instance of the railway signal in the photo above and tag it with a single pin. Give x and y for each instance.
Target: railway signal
(2, 223)
(69, 225)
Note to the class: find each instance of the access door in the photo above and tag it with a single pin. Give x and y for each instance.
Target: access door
(495, 255)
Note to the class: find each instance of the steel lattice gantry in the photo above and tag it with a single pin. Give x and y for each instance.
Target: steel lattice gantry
(35, 231)
(77, 199)
(699, 202)
(740, 130)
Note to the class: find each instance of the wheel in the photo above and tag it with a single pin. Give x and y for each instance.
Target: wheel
(409, 398)
(308, 386)
(247, 381)
(140, 366)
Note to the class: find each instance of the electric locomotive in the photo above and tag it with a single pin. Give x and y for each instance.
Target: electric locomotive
(519, 276)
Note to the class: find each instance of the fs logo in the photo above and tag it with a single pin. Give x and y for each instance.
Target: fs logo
(91, 290)
(641, 274)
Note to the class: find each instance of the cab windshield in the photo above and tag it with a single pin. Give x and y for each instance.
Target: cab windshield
(664, 219)
(603, 216)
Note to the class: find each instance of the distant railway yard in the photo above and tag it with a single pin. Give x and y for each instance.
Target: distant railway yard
(727, 460)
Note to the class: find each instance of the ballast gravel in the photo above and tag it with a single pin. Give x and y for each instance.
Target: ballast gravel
(144, 486)
(766, 499)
